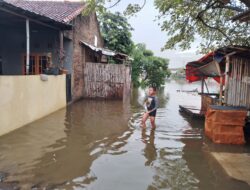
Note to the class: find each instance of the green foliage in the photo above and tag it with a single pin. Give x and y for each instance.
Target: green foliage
(210, 20)
(137, 64)
(147, 69)
(185, 20)
(95, 5)
(116, 32)
(100, 6)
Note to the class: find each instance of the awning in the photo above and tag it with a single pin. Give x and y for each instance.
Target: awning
(103, 51)
(204, 68)
(213, 64)
(108, 52)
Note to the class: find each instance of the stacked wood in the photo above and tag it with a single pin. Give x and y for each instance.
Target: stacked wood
(225, 126)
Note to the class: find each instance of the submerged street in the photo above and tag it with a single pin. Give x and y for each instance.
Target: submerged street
(99, 145)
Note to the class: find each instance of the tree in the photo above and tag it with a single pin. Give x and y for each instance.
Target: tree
(184, 20)
(116, 32)
(209, 19)
(147, 69)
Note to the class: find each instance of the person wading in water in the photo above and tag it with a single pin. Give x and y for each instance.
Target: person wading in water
(151, 104)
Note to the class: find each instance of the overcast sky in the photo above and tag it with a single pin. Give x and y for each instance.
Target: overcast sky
(147, 31)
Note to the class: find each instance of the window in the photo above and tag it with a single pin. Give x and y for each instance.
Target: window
(37, 65)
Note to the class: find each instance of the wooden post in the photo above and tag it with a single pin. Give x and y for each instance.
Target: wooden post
(227, 77)
(27, 45)
(206, 86)
(61, 49)
(221, 82)
(202, 85)
(221, 89)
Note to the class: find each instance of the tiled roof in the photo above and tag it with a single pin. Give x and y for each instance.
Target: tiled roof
(60, 11)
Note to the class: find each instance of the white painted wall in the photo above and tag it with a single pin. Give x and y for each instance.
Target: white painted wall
(24, 99)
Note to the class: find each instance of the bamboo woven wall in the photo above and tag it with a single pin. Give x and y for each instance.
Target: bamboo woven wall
(238, 93)
(109, 81)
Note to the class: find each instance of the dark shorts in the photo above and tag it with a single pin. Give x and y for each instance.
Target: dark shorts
(153, 114)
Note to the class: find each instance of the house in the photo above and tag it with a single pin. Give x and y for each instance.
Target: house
(50, 33)
(40, 40)
(226, 113)
(229, 66)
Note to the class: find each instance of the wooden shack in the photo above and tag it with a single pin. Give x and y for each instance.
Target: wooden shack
(230, 67)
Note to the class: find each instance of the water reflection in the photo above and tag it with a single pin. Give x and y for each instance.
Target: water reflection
(59, 148)
(91, 145)
(150, 151)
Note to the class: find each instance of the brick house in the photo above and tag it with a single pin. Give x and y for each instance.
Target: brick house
(47, 33)
(49, 54)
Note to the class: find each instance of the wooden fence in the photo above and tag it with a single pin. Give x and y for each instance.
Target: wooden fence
(238, 92)
(108, 81)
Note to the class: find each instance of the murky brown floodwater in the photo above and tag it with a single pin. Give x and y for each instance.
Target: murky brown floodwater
(98, 145)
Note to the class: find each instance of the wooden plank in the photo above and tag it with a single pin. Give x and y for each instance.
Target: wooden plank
(106, 80)
(227, 77)
(238, 87)
(221, 81)
(221, 90)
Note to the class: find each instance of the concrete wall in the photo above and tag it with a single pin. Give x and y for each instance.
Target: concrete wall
(24, 99)
(13, 45)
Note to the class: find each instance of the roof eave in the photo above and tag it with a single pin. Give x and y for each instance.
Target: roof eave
(43, 19)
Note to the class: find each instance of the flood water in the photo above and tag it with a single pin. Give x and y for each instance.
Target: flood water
(98, 145)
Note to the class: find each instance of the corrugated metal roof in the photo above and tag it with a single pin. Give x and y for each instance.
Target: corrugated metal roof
(100, 50)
